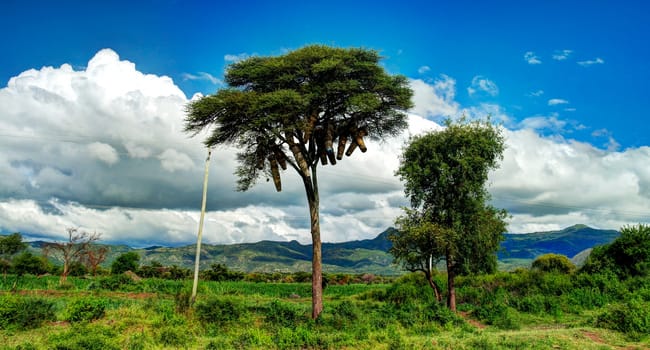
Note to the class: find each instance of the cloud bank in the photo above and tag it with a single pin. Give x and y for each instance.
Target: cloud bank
(102, 148)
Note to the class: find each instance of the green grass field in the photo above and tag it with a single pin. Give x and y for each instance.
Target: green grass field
(501, 311)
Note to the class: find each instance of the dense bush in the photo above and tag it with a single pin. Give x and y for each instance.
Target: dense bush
(219, 272)
(125, 262)
(282, 314)
(28, 263)
(113, 283)
(24, 312)
(85, 309)
(553, 263)
(627, 256)
(219, 311)
(631, 318)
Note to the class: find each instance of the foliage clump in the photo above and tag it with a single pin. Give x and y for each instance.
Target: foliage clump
(554, 263)
(25, 313)
(627, 256)
(85, 309)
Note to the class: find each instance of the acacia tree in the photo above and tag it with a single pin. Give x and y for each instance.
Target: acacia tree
(445, 173)
(74, 249)
(291, 111)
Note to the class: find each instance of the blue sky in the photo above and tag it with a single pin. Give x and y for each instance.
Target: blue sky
(573, 74)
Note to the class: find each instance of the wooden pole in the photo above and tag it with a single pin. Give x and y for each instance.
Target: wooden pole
(198, 239)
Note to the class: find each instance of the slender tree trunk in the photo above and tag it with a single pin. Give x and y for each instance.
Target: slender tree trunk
(433, 286)
(451, 287)
(64, 273)
(316, 265)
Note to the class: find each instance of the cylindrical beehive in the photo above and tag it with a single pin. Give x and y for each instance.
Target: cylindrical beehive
(359, 139)
(280, 157)
(276, 173)
(309, 128)
(329, 147)
(351, 148)
(341, 148)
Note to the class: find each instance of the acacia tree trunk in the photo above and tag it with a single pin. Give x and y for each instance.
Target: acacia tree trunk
(316, 264)
(311, 188)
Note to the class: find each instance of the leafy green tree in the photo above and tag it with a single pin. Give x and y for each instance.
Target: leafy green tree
(445, 173)
(10, 246)
(293, 110)
(553, 263)
(28, 263)
(125, 262)
(627, 256)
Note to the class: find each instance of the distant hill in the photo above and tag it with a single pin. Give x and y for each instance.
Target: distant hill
(362, 256)
(521, 249)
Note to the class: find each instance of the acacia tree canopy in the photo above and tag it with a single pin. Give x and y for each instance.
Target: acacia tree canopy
(292, 110)
(445, 174)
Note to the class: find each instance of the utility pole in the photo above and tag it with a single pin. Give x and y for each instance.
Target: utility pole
(198, 239)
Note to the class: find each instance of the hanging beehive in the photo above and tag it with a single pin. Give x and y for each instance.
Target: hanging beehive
(275, 172)
(309, 128)
(359, 139)
(319, 137)
(280, 157)
(343, 139)
(295, 149)
(329, 141)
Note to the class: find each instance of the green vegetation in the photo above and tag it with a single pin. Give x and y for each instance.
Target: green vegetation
(550, 305)
(524, 309)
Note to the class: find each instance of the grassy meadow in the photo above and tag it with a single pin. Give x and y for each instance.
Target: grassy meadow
(507, 310)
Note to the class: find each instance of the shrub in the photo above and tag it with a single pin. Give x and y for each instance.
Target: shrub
(173, 336)
(24, 313)
(125, 262)
(554, 263)
(494, 309)
(409, 288)
(631, 318)
(295, 338)
(627, 256)
(113, 283)
(86, 309)
(219, 310)
(281, 314)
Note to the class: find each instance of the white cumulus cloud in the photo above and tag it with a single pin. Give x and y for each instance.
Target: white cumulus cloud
(102, 148)
(531, 58)
(484, 85)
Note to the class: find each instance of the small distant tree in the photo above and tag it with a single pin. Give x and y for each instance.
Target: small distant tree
(125, 262)
(94, 257)
(553, 263)
(10, 246)
(74, 249)
(28, 263)
(445, 174)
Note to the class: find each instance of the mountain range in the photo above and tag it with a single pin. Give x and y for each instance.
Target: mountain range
(362, 256)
